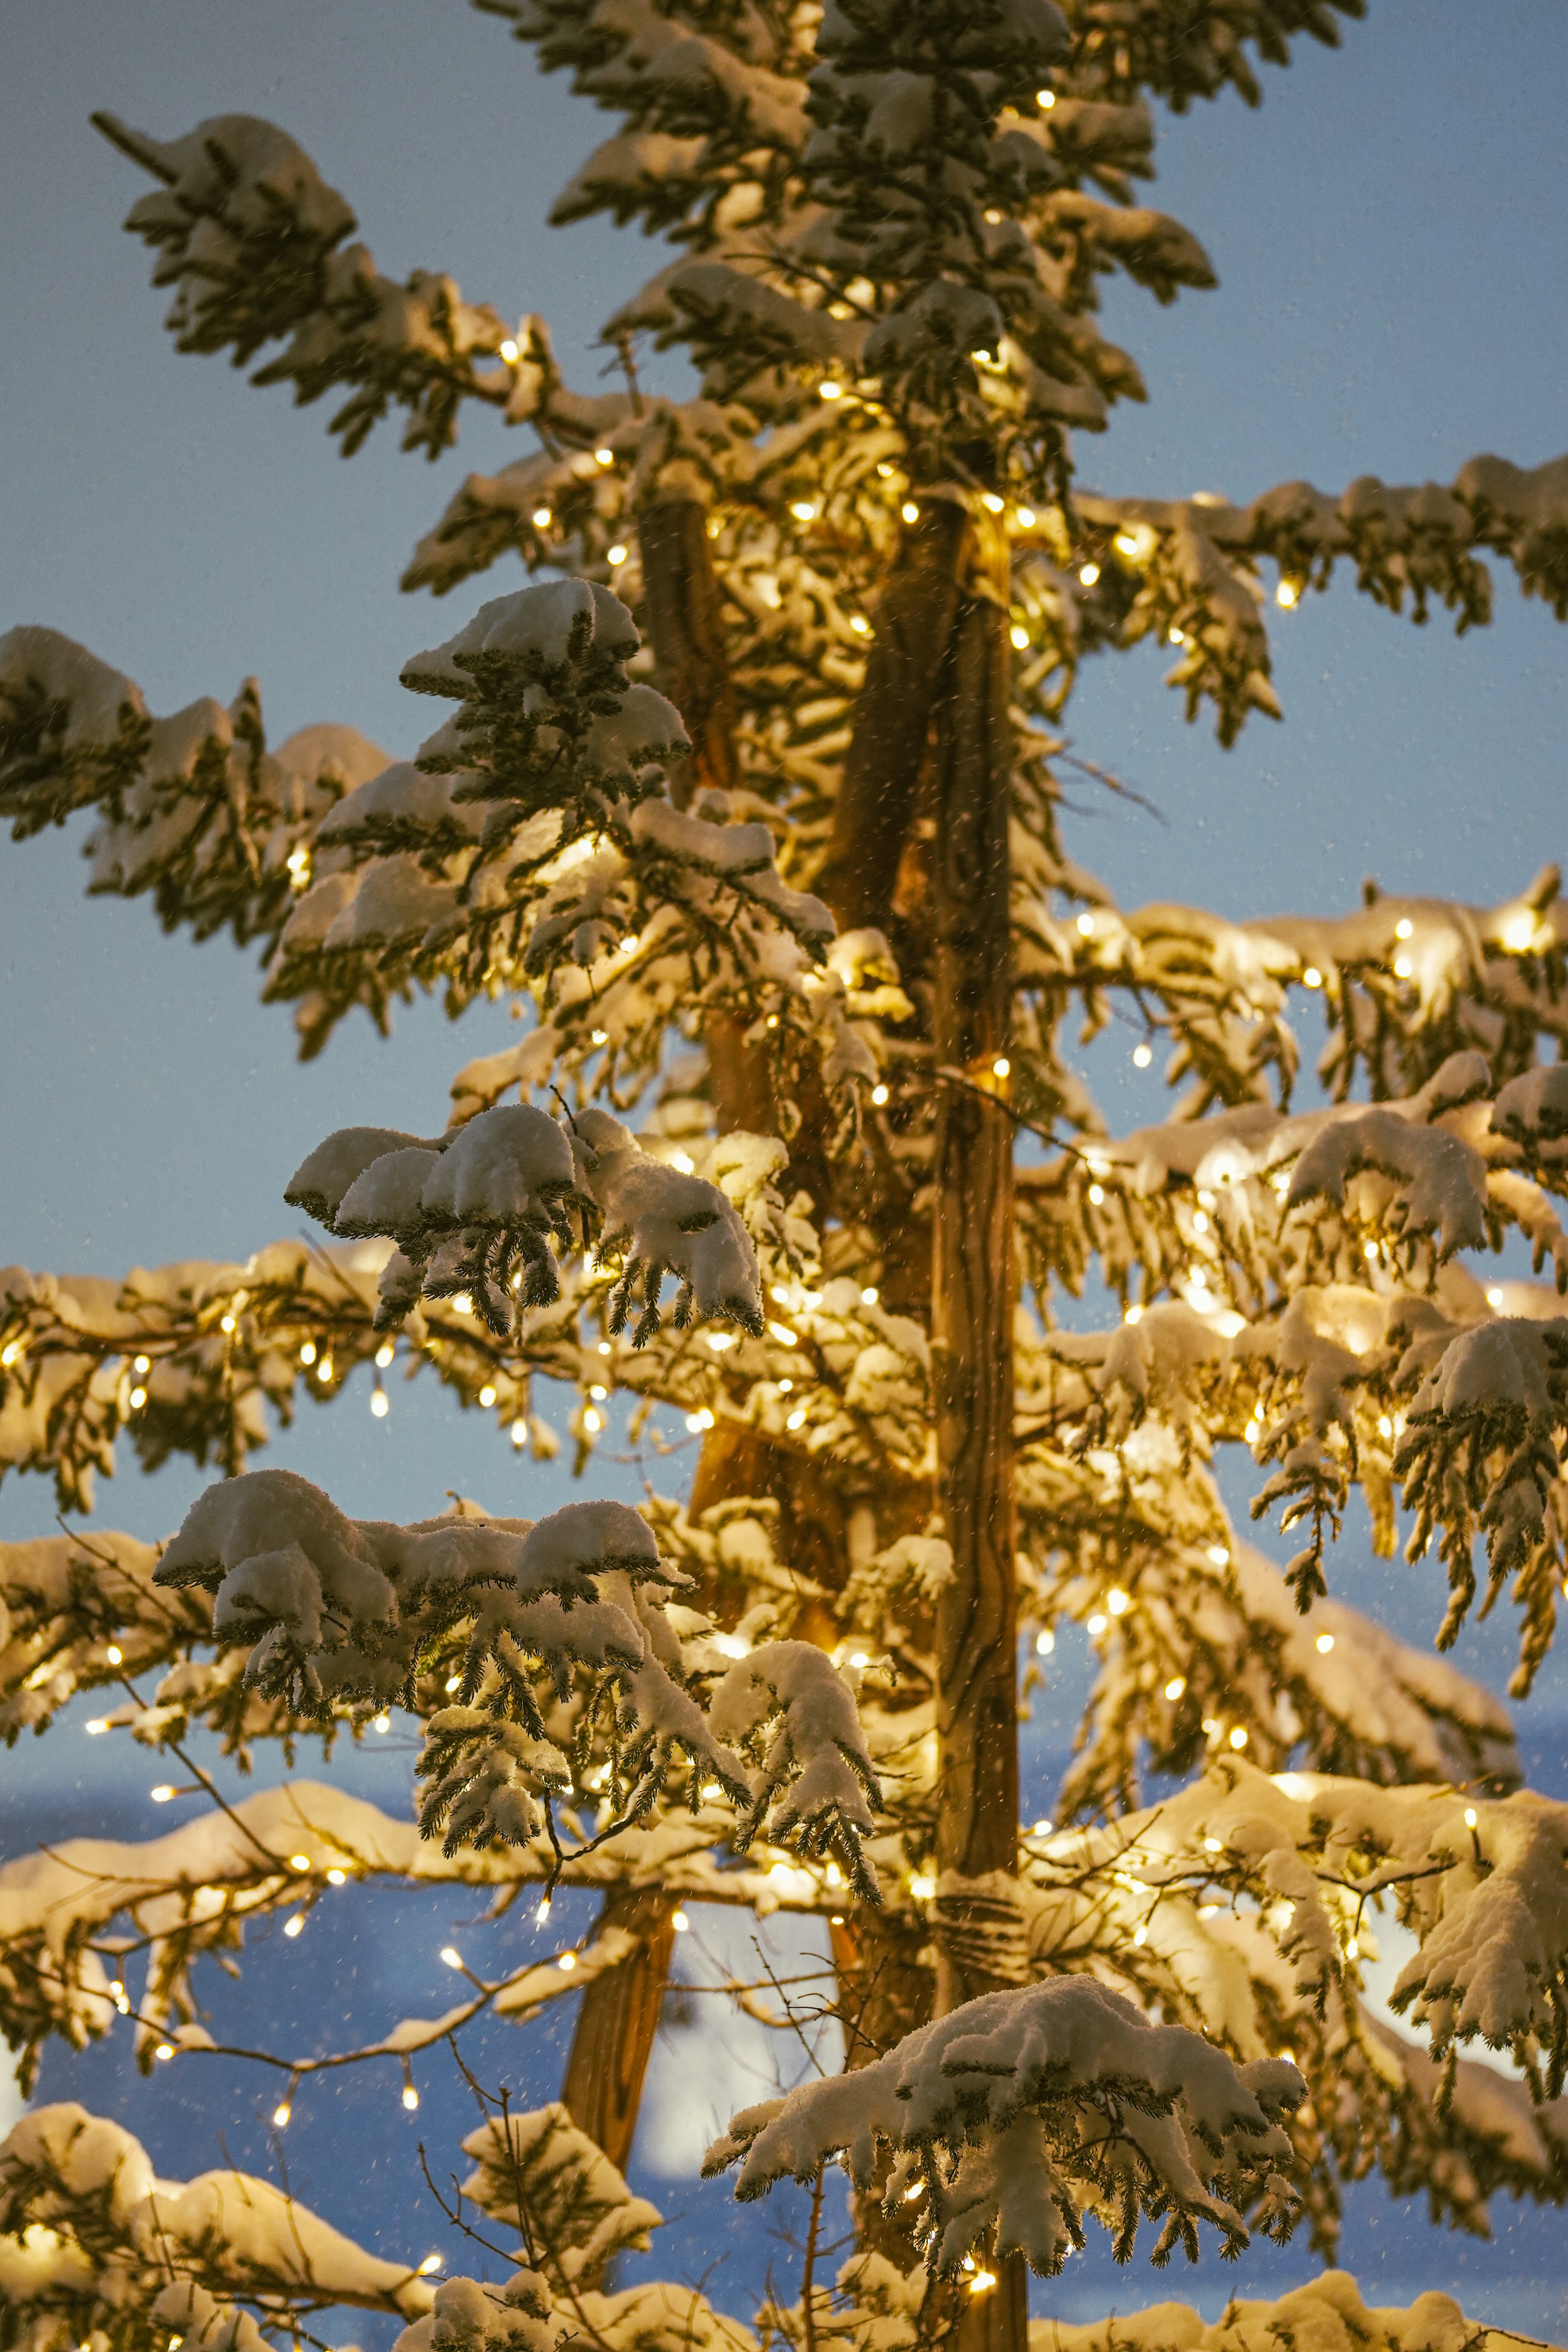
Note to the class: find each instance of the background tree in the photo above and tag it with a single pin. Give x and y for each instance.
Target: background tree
(882, 339)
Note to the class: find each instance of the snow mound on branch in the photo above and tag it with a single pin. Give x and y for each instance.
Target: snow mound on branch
(580, 2212)
(1325, 2315)
(787, 1704)
(543, 630)
(989, 2112)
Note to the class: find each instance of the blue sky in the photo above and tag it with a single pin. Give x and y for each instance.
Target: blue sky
(1388, 231)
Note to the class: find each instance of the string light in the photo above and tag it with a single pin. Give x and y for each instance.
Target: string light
(431, 2264)
(382, 1723)
(487, 1395)
(113, 1655)
(295, 1926)
(1044, 1829)
(299, 1862)
(1118, 1602)
(878, 1095)
(828, 390)
(10, 1352)
(870, 1295)
(1020, 636)
(1286, 593)
(1141, 1056)
(1132, 1315)
(1045, 1642)
(1470, 1817)
(701, 1419)
(410, 2097)
(1219, 1555)
(604, 456)
(226, 1323)
(1046, 99)
(592, 1421)
(1001, 1066)
(1403, 967)
(452, 1957)
(680, 1923)
(542, 518)
(909, 511)
(161, 1793)
(141, 1364)
(98, 1723)
(922, 1886)
(616, 555)
(337, 1877)
(509, 352)
(164, 2051)
(1313, 977)
(796, 1419)
(519, 1432)
(325, 1370)
(1404, 929)
(1175, 1688)
(541, 1911)
(982, 2283)
(1125, 543)
(1026, 518)
(1089, 574)
(990, 502)
(281, 2113)
(1239, 1737)
(379, 1402)
(860, 625)
(1086, 927)
(138, 1399)
(567, 1962)
(384, 1354)
(1097, 1194)
(803, 510)
(1098, 1624)
(1494, 1297)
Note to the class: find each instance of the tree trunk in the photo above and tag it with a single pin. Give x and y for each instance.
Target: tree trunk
(617, 2021)
(871, 817)
(972, 1361)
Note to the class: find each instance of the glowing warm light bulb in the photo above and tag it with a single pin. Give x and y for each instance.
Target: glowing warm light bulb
(878, 1095)
(860, 625)
(990, 502)
(1097, 1194)
(1089, 574)
(828, 390)
(384, 1723)
(604, 456)
(1125, 543)
(1026, 518)
(97, 1725)
(410, 2097)
(1219, 1555)
(308, 1352)
(138, 1399)
(803, 510)
(164, 2050)
(509, 352)
(1020, 636)
(1086, 926)
(1325, 1643)
(1118, 1602)
(1239, 1737)
(1046, 98)
(487, 1394)
(616, 555)
(140, 1364)
(226, 1323)
(1001, 1066)
(299, 1862)
(161, 1793)
(541, 1911)
(337, 1877)
(1286, 593)
(1470, 1817)
(296, 1926)
(452, 1958)
(1132, 1315)
(796, 1419)
(1404, 929)
(1141, 1056)
(1045, 1642)
(380, 1404)
(592, 1421)
(384, 1354)
(680, 1923)
(567, 1962)
(542, 518)
(909, 511)
(1098, 1624)
(431, 2264)
(281, 2113)
(1175, 1688)
(114, 1655)
(870, 1295)
(1313, 977)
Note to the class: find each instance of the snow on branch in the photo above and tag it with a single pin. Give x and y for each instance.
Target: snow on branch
(87, 2230)
(1186, 570)
(1328, 2312)
(194, 808)
(472, 1215)
(787, 1706)
(551, 2183)
(250, 236)
(1015, 2113)
(533, 844)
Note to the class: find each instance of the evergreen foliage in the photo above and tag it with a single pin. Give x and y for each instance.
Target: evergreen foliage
(749, 803)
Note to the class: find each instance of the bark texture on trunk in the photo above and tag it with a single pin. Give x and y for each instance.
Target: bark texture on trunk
(617, 2021)
(914, 621)
(972, 1357)
(685, 621)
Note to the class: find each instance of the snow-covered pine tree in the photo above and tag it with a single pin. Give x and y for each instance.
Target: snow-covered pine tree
(823, 849)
